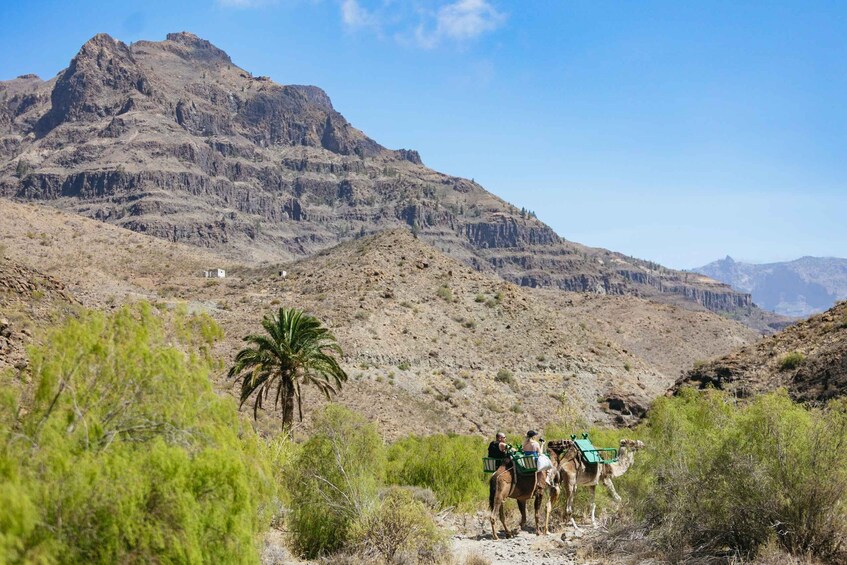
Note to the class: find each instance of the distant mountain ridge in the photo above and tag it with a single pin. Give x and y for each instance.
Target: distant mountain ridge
(798, 288)
(171, 139)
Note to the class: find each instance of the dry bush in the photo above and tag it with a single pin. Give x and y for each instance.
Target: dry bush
(476, 559)
(400, 529)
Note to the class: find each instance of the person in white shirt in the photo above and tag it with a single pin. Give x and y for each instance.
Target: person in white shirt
(532, 446)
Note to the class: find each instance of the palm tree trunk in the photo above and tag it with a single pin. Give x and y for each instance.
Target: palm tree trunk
(287, 402)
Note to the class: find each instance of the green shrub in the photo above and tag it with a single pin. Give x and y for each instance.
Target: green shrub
(121, 452)
(445, 293)
(449, 465)
(504, 376)
(399, 529)
(479, 298)
(791, 361)
(334, 480)
(719, 475)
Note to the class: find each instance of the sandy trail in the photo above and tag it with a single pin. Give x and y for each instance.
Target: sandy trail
(472, 536)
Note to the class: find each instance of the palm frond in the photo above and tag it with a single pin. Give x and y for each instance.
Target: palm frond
(294, 349)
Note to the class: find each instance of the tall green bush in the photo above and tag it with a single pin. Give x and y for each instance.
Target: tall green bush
(334, 480)
(449, 465)
(121, 452)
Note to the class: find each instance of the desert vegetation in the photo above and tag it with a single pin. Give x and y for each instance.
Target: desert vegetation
(724, 479)
(118, 449)
(791, 360)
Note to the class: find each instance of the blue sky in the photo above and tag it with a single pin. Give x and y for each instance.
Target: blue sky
(674, 131)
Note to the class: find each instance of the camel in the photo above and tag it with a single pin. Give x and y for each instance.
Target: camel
(506, 482)
(573, 471)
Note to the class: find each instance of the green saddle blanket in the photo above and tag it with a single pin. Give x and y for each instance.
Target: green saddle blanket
(592, 454)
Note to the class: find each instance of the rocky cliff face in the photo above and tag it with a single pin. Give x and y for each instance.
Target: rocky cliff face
(172, 139)
(797, 288)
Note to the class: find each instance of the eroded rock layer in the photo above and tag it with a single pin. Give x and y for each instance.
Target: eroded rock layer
(172, 139)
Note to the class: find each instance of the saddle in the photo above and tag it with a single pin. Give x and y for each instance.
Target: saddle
(524, 464)
(589, 454)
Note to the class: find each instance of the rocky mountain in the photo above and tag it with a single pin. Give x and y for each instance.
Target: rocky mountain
(796, 288)
(172, 139)
(809, 358)
(431, 344)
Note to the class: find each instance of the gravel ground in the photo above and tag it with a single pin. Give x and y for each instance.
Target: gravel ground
(473, 537)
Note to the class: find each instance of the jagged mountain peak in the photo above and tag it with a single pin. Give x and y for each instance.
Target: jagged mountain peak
(795, 288)
(172, 139)
(102, 41)
(98, 82)
(197, 48)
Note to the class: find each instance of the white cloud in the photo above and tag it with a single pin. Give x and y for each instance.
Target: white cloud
(467, 19)
(409, 22)
(355, 16)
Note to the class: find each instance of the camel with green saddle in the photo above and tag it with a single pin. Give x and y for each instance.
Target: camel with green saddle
(575, 462)
(590, 467)
(515, 477)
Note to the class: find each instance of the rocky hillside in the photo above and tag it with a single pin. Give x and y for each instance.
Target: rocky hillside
(796, 288)
(28, 299)
(172, 139)
(808, 358)
(432, 344)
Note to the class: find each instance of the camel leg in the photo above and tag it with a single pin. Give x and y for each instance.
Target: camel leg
(503, 521)
(499, 509)
(495, 504)
(552, 497)
(537, 507)
(593, 504)
(522, 509)
(609, 485)
(569, 505)
(493, 519)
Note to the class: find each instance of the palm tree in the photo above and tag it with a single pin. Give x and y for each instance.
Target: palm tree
(295, 349)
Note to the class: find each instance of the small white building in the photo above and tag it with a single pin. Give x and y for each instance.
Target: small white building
(214, 274)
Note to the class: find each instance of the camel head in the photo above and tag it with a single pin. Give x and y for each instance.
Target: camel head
(632, 444)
